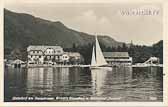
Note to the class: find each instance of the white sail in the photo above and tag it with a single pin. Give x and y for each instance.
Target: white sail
(100, 60)
(93, 62)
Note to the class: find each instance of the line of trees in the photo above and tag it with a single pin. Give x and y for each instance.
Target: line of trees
(139, 53)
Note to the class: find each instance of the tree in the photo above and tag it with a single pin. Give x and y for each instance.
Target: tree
(124, 48)
(158, 50)
(74, 47)
(119, 48)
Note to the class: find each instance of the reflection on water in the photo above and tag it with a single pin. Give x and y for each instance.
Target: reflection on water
(39, 81)
(14, 84)
(57, 81)
(124, 83)
(98, 80)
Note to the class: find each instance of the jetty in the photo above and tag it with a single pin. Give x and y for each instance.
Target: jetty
(85, 66)
(147, 65)
(56, 66)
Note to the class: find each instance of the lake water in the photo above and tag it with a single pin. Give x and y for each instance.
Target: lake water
(82, 84)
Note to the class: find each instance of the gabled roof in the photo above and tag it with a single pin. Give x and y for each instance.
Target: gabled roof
(115, 54)
(42, 47)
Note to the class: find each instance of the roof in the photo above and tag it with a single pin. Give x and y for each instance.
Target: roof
(115, 54)
(73, 53)
(42, 47)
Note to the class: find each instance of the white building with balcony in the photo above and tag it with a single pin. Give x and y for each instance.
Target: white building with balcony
(44, 54)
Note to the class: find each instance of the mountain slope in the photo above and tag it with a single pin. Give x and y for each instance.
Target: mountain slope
(22, 30)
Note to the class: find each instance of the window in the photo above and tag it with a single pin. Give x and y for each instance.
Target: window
(48, 57)
(58, 51)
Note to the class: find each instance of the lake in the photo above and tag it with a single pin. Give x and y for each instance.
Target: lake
(122, 84)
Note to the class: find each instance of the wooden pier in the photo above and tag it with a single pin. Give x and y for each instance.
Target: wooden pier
(83, 66)
(56, 66)
(147, 65)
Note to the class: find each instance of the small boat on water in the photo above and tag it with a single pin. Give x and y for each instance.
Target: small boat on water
(98, 61)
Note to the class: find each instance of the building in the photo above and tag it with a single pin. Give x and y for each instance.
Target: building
(18, 63)
(118, 58)
(75, 57)
(44, 54)
(65, 58)
(153, 60)
(51, 55)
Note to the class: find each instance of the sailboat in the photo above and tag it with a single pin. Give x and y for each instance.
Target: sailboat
(98, 60)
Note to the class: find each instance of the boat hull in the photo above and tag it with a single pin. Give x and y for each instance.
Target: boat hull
(101, 67)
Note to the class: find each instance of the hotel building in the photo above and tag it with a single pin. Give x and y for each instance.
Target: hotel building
(117, 58)
(46, 54)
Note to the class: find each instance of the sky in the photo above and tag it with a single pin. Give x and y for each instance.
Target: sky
(124, 22)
